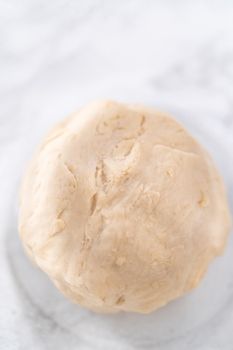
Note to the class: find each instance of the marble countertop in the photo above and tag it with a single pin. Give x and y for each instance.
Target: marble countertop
(58, 55)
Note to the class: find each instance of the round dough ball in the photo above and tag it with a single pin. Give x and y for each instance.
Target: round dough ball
(122, 208)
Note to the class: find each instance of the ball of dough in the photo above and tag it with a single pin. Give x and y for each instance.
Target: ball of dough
(122, 208)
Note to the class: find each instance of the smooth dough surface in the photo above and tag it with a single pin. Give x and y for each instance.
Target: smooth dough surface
(122, 208)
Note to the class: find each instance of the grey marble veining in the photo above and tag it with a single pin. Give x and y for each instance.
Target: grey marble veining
(56, 56)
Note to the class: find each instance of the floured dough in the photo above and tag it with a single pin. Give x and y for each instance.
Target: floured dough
(122, 208)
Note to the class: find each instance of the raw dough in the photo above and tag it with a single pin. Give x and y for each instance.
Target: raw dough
(122, 208)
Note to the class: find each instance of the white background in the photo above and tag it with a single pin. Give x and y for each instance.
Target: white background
(56, 56)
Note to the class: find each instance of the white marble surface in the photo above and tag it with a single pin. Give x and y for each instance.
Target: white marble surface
(57, 55)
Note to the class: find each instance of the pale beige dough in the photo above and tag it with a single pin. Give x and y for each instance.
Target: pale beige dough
(122, 208)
